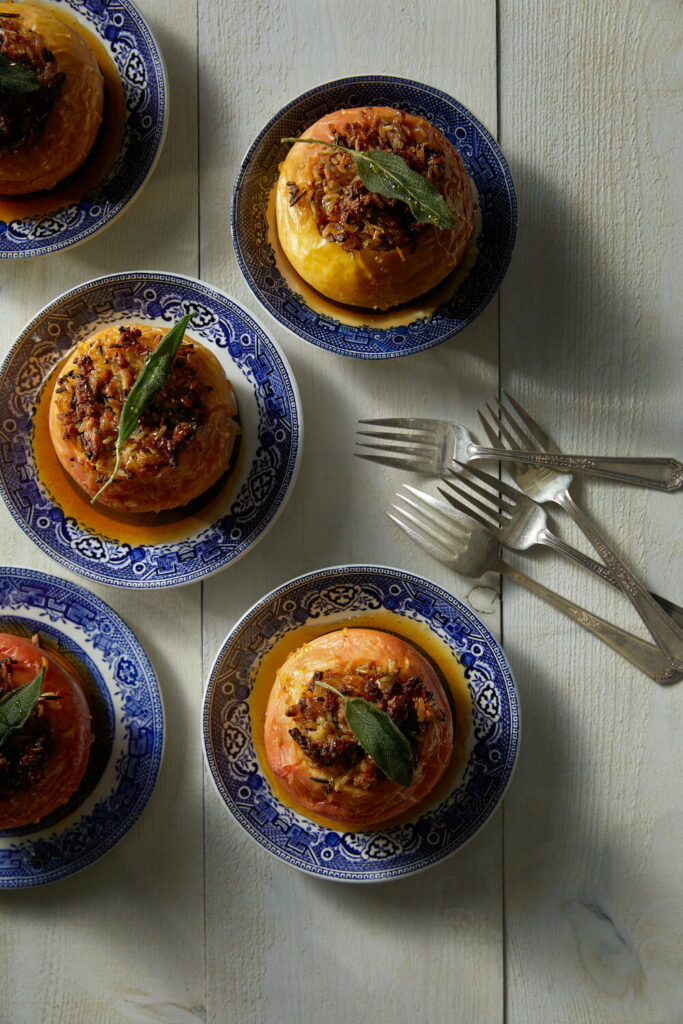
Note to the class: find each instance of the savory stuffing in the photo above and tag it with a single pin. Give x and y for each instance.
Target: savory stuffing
(25, 752)
(320, 729)
(23, 114)
(344, 210)
(93, 393)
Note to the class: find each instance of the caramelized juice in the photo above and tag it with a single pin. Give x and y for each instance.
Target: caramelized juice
(447, 668)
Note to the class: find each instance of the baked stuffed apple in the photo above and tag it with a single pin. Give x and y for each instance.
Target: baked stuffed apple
(47, 128)
(310, 747)
(183, 440)
(43, 761)
(353, 245)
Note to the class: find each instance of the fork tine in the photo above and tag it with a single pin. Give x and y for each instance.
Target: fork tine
(417, 466)
(418, 534)
(495, 513)
(394, 435)
(423, 451)
(490, 432)
(539, 434)
(467, 511)
(505, 433)
(525, 439)
(434, 510)
(510, 492)
(409, 423)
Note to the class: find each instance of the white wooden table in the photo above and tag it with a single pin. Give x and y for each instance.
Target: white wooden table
(566, 906)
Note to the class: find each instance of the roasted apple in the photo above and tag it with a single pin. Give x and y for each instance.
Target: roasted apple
(182, 442)
(310, 747)
(43, 762)
(358, 247)
(47, 132)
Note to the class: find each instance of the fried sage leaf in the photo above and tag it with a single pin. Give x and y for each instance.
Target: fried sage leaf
(387, 174)
(16, 77)
(153, 378)
(17, 705)
(379, 736)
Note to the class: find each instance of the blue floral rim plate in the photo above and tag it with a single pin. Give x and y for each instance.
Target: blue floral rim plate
(130, 45)
(270, 440)
(127, 722)
(496, 218)
(335, 596)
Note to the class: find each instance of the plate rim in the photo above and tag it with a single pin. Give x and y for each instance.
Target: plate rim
(391, 80)
(161, 82)
(210, 760)
(28, 574)
(198, 575)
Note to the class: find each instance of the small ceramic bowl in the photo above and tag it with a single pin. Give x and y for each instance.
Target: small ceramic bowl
(210, 537)
(366, 334)
(128, 726)
(53, 221)
(486, 720)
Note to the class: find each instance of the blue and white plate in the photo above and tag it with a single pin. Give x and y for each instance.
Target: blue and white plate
(333, 597)
(270, 441)
(129, 43)
(127, 721)
(496, 219)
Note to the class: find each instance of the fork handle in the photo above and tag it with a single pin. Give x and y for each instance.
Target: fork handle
(664, 631)
(662, 474)
(551, 541)
(646, 657)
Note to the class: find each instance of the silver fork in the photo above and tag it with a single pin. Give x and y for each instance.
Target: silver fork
(430, 446)
(472, 550)
(520, 522)
(422, 445)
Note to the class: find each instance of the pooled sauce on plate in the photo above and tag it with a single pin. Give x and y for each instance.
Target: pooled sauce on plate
(424, 306)
(103, 153)
(420, 636)
(164, 527)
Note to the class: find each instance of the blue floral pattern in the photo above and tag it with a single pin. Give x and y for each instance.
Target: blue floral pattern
(488, 172)
(136, 55)
(239, 343)
(85, 626)
(393, 851)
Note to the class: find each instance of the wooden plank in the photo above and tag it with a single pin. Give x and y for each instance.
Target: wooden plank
(281, 946)
(124, 939)
(589, 344)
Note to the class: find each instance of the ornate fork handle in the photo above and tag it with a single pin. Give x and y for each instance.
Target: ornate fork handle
(648, 658)
(664, 631)
(662, 474)
(551, 541)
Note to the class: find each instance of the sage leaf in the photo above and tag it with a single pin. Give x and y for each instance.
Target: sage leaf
(153, 378)
(16, 77)
(387, 174)
(379, 736)
(17, 705)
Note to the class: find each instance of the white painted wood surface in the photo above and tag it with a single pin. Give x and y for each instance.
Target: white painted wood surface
(566, 907)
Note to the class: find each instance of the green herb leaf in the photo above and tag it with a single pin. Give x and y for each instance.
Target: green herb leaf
(153, 379)
(387, 174)
(379, 736)
(17, 77)
(17, 705)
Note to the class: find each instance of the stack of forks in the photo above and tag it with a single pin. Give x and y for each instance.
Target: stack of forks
(514, 517)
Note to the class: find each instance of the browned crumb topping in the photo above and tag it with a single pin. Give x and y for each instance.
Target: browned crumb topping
(25, 751)
(321, 731)
(345, 211)
(23, 115)
(97, 387)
